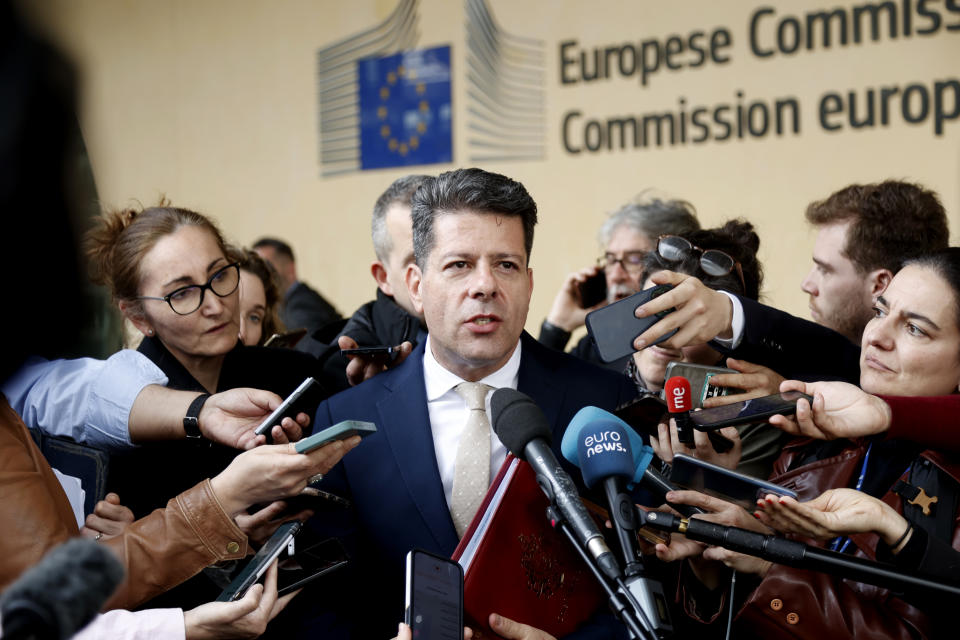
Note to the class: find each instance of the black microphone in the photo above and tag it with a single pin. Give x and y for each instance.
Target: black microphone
(61, 593)
(797, 554)
(523, 430)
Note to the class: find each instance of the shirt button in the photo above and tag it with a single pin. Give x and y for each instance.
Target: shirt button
(792, 618)
(776, 604)
(232, 547)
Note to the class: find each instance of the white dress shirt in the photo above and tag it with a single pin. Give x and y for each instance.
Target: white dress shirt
(448, 412)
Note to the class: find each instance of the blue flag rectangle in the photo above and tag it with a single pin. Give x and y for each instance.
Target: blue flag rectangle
(405, 111)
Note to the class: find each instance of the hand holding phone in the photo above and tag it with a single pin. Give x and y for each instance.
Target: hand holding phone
(751, 411)
(434, 596)
(339, 431)
(593, 290)
(692, 473)
(615, 326)
(380, 352)
(290, 407)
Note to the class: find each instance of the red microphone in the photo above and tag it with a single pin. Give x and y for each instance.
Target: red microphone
(679, 403)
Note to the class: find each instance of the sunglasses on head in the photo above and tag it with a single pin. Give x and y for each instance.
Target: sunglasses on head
(713, 261)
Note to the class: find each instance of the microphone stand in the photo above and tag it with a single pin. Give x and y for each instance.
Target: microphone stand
(797, 554)
(625, 615)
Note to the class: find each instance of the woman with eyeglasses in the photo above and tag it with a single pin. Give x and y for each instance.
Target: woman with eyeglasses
(168, 270)
(724, 258)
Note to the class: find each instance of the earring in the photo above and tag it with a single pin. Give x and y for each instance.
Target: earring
(149, 332)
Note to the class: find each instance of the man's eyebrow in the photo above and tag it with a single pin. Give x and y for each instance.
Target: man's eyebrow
(823, 265)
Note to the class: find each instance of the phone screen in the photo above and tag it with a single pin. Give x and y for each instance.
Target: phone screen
(748, 411)
(434, 597)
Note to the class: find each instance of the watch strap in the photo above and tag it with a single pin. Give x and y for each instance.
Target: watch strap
(191, 422)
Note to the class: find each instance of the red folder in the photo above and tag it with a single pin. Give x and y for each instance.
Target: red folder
(515, 564)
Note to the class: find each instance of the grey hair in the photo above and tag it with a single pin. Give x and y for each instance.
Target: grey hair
(399, 192)
(653, 217)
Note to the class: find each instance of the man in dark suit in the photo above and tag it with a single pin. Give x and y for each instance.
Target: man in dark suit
(303, 307)
(472, 235)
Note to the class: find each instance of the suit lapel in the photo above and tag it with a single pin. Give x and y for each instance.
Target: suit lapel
(404, 412)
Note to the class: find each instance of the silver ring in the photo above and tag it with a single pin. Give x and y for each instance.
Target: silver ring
(98, 536)
(316, 478)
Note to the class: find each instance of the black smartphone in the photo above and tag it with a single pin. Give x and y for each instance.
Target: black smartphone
(310, 563)
(643, 413)
(285, 340)
(593, 290)
(380, 352)
(698, 375)
(434, 596)
(614, 327)
(259, 564)
(693, 473)
(748, 411)
(290, 407)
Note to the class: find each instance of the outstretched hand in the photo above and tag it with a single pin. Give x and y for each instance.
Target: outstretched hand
(230, 417)
(840, 410)
(700, 313)
(364, 367)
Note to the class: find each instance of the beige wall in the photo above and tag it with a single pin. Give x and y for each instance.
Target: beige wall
(213, 103)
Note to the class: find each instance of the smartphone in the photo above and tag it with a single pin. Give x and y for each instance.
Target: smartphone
(381, 352)
(259, 564)
(286, 340)
(693, 473)
(306, 565)
(339, 431)
(290, 407)
(614, 327)
(434, 596)
(593, 290)
(747, 412)
(698, 375)
(643, 413)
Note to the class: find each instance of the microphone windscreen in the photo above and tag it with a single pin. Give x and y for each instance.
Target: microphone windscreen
(603, 451)
(63, 592)
(516, 419)
(677, 394)
(642, 454)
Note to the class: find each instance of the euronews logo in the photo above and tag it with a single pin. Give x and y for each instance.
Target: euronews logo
(604, 441)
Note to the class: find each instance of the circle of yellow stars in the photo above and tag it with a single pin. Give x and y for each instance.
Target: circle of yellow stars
(413, 142)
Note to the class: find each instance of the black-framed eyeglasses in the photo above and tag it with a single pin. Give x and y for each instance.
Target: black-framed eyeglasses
(186, 300)
(631, 261)
(713, 261)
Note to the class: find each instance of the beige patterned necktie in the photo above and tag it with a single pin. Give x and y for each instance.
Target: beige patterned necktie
(471, 474)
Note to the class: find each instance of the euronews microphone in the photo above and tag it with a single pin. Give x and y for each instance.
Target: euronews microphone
(605, 456)
(523, 430)
(642, 455)
(61, 594)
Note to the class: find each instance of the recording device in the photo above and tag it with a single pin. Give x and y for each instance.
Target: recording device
(698, 375)
(748, 411)
(642, 455)
(259, 564)
(643, 413)
(286, 340)
(381, 352)
(434, 596)
(593, 290)
(61, 594)
(615, 327)
(605, 456)
(307, 564)
(692, 473)
(339, 431)
(290, 407)
(678, 395)
(523, 429)
(797, 554)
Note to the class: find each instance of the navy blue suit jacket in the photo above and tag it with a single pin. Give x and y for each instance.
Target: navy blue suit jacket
(392, 477)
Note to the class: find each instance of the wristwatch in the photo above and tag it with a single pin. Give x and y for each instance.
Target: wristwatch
(191, 422)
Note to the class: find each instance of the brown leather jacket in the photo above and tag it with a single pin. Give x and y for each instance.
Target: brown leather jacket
(796, 603)
(158, 551)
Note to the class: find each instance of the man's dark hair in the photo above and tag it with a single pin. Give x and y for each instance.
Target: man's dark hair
(400, 192)
(468, 190)
(891, 221)
(279, 246)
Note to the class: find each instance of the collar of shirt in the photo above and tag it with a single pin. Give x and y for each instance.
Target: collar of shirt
(448, 412)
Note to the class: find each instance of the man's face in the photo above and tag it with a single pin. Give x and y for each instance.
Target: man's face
(400, 230)
(474, 291)
(840, 297)
(626, 245)
(285, 268)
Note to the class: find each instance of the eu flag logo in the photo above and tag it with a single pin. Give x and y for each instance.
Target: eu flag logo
(405, 113)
